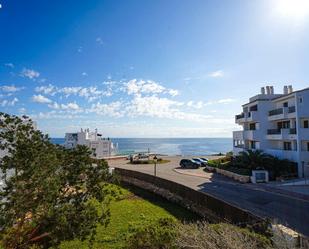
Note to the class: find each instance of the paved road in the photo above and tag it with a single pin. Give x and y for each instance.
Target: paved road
(290, 211)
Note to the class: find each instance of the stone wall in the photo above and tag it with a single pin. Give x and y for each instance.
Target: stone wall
(236, 177)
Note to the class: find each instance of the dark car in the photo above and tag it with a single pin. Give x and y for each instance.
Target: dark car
(189, 164)
(204, 161)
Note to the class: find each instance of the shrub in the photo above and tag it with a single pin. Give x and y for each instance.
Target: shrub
(217, 236)
(158, 234)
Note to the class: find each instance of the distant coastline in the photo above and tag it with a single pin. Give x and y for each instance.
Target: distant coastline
(170, 146)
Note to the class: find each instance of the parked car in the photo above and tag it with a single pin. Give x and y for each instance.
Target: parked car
(199, 161)
(204, 160)
(189, 164)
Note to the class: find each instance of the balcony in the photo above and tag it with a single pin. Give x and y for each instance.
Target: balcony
(240, 118)
(238, 149)
(283, 154)
(238, 135)
(246, 117)
(251, 135)
(282, 113)
(281, 134)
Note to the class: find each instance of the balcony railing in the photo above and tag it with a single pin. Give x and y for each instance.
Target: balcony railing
(292, 131)
(241, 146)
(291, 109)
(242, 115)
(273, 132)
(275, 112)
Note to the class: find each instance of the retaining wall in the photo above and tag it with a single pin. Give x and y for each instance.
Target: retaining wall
(236, 177)
(201, 203)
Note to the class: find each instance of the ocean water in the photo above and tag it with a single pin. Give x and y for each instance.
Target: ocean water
(170, 146)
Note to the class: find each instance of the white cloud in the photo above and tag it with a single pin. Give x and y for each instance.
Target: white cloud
(216, 74)
(154, 106)
(9, 102)
(70, 106)
(54, 105)
(69, 90)
(90, 93)
(22, 110)
(30, 73)
(50, 89)
(11, 65)
(226, 101)
(136, 87)
(196, 105)
(99, 40)
(84, 74)
(80, 49)
(56, 115)
(113, 109)
(11, 88)
(41, 99)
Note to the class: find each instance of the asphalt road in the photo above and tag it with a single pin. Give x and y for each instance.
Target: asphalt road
(285, 209)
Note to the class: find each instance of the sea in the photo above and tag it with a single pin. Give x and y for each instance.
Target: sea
(169, 146)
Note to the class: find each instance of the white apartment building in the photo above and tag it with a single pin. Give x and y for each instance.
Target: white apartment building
(100, 147)
(277, 124)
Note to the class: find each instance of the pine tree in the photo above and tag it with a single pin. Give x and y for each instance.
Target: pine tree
(49, 194)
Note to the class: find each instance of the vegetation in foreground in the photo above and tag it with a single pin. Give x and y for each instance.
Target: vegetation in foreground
(50, 194)
(141, 220)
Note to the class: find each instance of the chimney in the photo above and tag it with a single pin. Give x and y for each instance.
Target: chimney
(263, 90)
(290, 89)
(267, 90)
(271, 90)
(285, 90)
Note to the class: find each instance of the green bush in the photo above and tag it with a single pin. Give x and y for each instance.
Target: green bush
(157, 234)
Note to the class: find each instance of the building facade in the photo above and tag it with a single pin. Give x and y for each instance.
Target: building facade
(99, 146)
(277, 124)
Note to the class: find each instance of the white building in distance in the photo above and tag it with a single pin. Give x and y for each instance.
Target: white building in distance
(99, 146)
(277, 124)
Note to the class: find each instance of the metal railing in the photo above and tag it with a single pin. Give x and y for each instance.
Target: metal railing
(275, 112)
(242, 115)
(293, 131)
(279, 131)
(273, 131)
(291, 109)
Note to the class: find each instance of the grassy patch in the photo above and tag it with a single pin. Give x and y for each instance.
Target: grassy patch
(131, 207)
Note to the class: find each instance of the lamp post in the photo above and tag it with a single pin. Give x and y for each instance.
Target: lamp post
(155, 165)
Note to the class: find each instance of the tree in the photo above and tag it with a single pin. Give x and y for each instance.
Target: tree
(50, 194)
(252, 159)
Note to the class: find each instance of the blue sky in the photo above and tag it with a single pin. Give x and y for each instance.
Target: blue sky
(147, 68)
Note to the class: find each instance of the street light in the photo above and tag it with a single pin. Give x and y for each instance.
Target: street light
(155, 165)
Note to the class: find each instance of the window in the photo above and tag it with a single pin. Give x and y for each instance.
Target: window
(283, 125)
(253, 108)
(253, 144)
(300, 100)
(306, 124)
(308, 146)
(287, 146)
(285, 104)
(252, 127)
